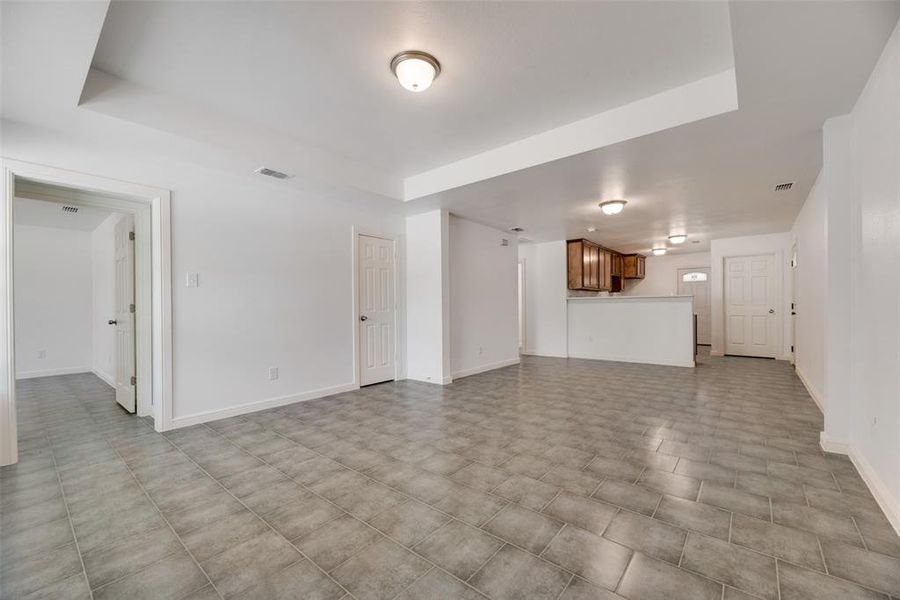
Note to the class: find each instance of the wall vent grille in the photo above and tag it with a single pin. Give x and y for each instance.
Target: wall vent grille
(273, 173)
(783, 187)
(70, 210)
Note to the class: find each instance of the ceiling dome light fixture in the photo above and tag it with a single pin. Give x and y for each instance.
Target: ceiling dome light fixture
(612, 207)
(678, 239)
(658, 251)
(415, 70)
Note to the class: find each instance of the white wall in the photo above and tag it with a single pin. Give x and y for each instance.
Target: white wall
(483, 298)
(103, 271)
(52, 300)
(428, 297)
(276, 272)
(545, 298)
(809, 289)
(862, 323)
(661, 274)
(778, 244)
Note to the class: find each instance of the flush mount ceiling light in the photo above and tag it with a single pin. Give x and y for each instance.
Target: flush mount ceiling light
(658, 251)
(678, 239)
(612, 207)
(415, 70)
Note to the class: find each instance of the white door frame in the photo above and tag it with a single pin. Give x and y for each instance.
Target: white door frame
(153, 288)
(678, 282)
(778, 277)
(522, 330)
(357, 364)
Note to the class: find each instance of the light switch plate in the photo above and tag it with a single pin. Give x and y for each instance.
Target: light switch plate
(192, 280)
(273, 373)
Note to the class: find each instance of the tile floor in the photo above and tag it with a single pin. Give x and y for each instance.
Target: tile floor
(555, 479)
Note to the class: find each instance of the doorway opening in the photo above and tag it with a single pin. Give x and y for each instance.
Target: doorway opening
(133, 290)
(695, 282)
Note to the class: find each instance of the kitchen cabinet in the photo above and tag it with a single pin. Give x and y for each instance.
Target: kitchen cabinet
(633, 266)
(590, 266)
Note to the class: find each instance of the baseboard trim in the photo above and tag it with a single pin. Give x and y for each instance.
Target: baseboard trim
(251, 407)
(544, 354)
(813, 392)
(640, 361)
(52, 372)
(889, 505)
(488, 367)
(443, 381)
(832, 446)
(107, 379)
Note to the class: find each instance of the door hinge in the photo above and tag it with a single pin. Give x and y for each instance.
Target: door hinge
(133, 380)
(131, 235)
(131, 308)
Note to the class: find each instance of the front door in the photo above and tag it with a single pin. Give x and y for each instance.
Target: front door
(124, 321)
(751, 301)
(695, 282)
(376, 310)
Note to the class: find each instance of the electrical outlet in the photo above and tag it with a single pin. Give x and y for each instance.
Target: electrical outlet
(273, 373)
(42, 354)
(192, 280)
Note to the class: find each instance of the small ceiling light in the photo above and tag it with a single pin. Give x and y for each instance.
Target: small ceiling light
(678, 239)
(415, 69)
(591, 229)
(658, 251)
(612, 207)
(516, 229)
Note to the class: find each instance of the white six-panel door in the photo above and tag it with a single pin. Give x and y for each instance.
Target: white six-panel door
(124, 321)
(376, 310)
(751, 303)
(695, 282)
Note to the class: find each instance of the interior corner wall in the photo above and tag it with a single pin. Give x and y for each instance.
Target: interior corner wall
(778, 244)
(546, 308)
(52, 301)
(103, 267)
(810, 295)
(661, 274)
(483, 298)
(428, 297)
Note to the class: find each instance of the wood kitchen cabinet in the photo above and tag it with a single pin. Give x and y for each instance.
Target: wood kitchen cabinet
(633, 266)
(589, 266)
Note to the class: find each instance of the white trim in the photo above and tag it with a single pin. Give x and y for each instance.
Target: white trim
(354, 269)
(889, 505)
(151, 209)
(52, 372)
(642, 361)
(258, 405)
(528, 352)
(488, 367)
(106, 377)
(813, 392)
(443, 381)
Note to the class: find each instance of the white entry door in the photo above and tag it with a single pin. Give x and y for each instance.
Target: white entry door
(124, 320)
(752, 292)
(376, 310)
(695, 282)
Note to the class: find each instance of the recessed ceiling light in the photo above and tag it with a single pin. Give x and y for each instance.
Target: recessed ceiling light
(612, 207)
(678, 239)
(658, 251)
(415, 70)
(591, 229)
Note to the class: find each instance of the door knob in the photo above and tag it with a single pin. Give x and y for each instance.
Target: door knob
(112, 322)
(771, 311)
(363, 318)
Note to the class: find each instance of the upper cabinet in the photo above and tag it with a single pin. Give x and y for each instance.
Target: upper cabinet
(633, 266)
(590, 267)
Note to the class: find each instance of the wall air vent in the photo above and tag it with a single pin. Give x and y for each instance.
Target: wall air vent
(69, 210)
(783, 187)
(272, 173)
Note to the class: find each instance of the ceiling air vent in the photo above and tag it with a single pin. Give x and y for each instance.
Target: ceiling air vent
(70, 210)
(783, 187)
(273, 173)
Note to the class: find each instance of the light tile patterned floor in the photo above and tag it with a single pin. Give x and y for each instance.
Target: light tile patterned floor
(555, 479)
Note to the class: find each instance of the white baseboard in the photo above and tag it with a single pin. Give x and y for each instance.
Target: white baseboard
(106, 377)
(443, 381)
(832, 446)
(251, 407)
(52, 372)
(813, 392)
(528, 352)
(642, 361)
(488, 367)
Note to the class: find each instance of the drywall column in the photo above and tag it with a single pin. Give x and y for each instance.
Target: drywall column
(840, 235)
(428, 297)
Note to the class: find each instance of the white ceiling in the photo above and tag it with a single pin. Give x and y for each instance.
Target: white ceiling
(318, 71)
(41, 213)
(795, 64)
